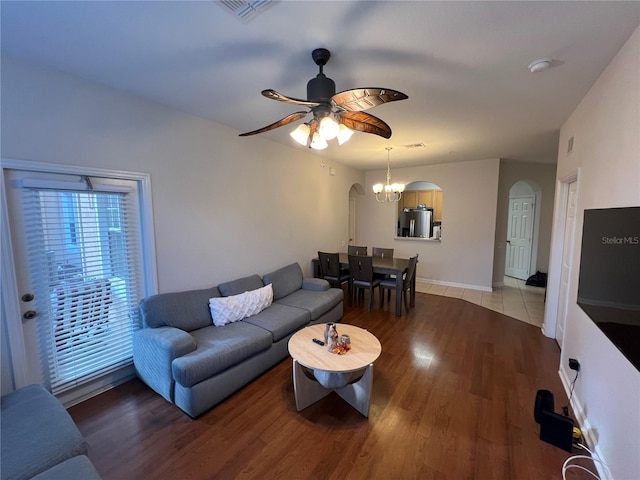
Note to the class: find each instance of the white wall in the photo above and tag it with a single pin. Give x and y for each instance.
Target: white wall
(465, 255)
(224, 206)
(606, 156)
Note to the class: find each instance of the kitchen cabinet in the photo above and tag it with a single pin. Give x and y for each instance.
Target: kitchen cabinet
(437, 205)
(429, 198)
(425, 197)
(409, 200)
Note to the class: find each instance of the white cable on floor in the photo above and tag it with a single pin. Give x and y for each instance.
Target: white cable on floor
(566, 466)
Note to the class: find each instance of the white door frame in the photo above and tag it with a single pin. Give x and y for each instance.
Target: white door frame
(567, 256)
(560, 210)
(9, 299)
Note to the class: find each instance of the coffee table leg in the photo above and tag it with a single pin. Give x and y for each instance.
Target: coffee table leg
(306, 391)
(358, 394)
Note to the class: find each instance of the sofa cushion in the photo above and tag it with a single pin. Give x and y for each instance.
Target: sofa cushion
(218, 349)
(285, 280)
(280, 320)
(236, 307)
(316, 302)
(37, 433)
(240, 285)
(188, 310)
(319, 284)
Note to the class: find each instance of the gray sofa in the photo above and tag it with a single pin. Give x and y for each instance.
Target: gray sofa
(195, 365)
(40, 439)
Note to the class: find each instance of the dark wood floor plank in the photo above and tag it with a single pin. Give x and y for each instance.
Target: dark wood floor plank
(452, 399)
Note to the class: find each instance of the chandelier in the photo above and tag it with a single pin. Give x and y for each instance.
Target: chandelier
(391, 192)
(328, 129)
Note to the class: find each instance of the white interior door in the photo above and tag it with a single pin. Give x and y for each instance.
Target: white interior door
(520, 234)
(567, 254)
(352, 221)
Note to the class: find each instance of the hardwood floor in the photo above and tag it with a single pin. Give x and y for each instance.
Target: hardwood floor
(452, 398)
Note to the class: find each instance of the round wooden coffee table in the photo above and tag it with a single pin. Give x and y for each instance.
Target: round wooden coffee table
(333, 372)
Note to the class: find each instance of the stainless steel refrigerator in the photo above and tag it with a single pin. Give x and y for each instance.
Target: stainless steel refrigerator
(416, 222)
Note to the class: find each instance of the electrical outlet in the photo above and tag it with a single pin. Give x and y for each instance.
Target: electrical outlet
(574, 364)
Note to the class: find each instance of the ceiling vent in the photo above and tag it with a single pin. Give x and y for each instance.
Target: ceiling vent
(243, 10)
(415, 145)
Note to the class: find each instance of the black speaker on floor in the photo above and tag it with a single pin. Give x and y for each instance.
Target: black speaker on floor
(544, 402)
(554, 428)
(557, 430)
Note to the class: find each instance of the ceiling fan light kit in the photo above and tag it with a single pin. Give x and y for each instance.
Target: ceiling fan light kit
(335, 115)
(301, 134)
(344, 134)
(328, 128)
(317, 142)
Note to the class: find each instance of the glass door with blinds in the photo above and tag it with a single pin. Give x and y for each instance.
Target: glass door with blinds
(79, 271)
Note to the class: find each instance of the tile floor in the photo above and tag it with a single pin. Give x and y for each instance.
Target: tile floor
(515, 299)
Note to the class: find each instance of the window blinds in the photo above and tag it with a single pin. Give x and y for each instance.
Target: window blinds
(84, 263)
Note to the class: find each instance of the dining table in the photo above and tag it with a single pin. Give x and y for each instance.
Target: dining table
(385, 266)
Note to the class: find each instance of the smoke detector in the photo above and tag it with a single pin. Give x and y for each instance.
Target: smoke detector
(540, 65)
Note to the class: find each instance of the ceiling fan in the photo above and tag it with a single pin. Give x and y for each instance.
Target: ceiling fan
(334, 114)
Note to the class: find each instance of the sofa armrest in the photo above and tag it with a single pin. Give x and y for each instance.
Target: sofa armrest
(317, 284)
(154, 350)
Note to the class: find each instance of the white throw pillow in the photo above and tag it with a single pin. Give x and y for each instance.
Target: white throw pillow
(236, 307)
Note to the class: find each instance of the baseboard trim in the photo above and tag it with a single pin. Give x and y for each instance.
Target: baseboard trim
(588, 431)
(453, 284)
(97, 386)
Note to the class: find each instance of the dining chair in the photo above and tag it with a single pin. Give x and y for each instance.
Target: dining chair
(329, 264)
(356, 250)
(407, 281)
(361, 269)
(382, 252)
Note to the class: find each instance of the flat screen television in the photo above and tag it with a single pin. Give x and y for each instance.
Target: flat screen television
(609, 282)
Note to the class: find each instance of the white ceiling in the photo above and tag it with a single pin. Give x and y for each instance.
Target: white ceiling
(462, 64)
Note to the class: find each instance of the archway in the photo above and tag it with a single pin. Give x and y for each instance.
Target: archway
(355, 191)
(420, 195)
(523, 226)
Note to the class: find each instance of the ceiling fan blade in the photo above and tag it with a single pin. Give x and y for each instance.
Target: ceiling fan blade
(365, 122)
(285, 121)
(313, 127)
(358, 99)
(273, 95)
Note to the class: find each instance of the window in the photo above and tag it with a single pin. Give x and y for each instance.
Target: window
(83, 261)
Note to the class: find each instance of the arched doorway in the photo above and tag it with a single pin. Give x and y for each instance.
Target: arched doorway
(355, 191)
(522, 229)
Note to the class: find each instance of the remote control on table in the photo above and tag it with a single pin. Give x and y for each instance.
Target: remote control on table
(319, 342)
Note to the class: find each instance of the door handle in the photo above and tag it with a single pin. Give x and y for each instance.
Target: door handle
(509, 242)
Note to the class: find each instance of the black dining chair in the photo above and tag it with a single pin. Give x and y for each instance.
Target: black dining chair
(361, 269)
(329, 264)
(382, 252)
(407, 281)
(356, 250)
